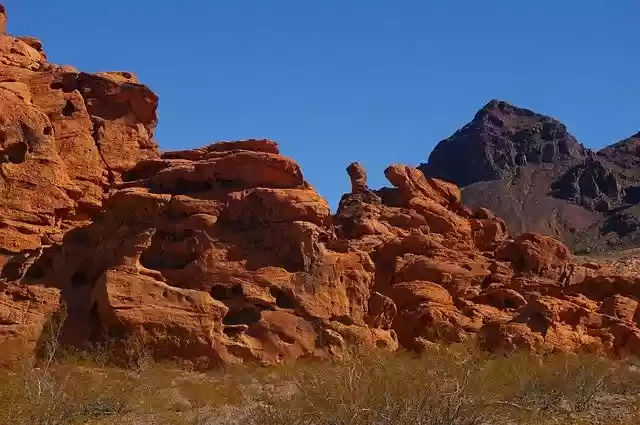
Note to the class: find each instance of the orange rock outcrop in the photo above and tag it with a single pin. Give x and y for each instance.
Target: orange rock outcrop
(226, 254)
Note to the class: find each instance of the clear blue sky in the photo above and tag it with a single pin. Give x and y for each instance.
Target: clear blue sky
(336, 81)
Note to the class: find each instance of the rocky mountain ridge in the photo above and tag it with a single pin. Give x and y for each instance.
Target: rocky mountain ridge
(500, 138)
(530, 170)
(225, 254)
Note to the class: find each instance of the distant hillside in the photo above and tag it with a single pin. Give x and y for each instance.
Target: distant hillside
(532, 172)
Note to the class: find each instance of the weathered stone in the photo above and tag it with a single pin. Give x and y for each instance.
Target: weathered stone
(224, 254)
(358, 176)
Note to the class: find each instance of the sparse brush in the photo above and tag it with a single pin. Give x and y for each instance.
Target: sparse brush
(454, 385)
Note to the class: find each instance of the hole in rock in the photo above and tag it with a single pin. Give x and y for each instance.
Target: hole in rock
(35, 272)
(79, 279)
(284, 299)
(507, 303)
(47, 131)
(16, 153)
(56, 85)
(68, 109)
(11, 269)
(226, 183)
(243, 316)
(220, 292)
(538, 323)
(127, 75)
(496, 121)
(79, 236)
(324, 238)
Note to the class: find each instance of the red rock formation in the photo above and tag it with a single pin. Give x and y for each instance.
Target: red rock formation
(225, 254)
(221, 257)
(65, 137)
(449, 283)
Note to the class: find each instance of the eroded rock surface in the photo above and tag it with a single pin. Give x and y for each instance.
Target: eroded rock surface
(449, 283)
(217, 258)
(225, 254)
(65, 138)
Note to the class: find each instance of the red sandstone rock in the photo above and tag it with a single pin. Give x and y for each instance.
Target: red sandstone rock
(416, 292)
(412, 183)
(255, 145)
(240, 260)
(621, 308)
(3, 20)
(439, 219)
(535, 253)
(483, 214)
(24, 310)
(225, 254)
(488, 233)
(53, 174)
(262, 206)
(358, 176)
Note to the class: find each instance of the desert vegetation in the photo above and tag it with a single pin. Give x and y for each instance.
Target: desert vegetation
(444, 385)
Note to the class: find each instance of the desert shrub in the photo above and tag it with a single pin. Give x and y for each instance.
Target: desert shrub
(454, 385)
(386, 388)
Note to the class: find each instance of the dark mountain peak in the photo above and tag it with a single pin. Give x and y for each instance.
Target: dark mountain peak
(502, 107)
(500, 138)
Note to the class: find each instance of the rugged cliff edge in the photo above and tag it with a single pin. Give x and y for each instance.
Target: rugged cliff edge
(225, 254)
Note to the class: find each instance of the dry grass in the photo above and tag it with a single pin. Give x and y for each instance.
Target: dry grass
(456, 385)
(77, 390)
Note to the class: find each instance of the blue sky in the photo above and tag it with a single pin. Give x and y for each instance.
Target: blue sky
(336, 81)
